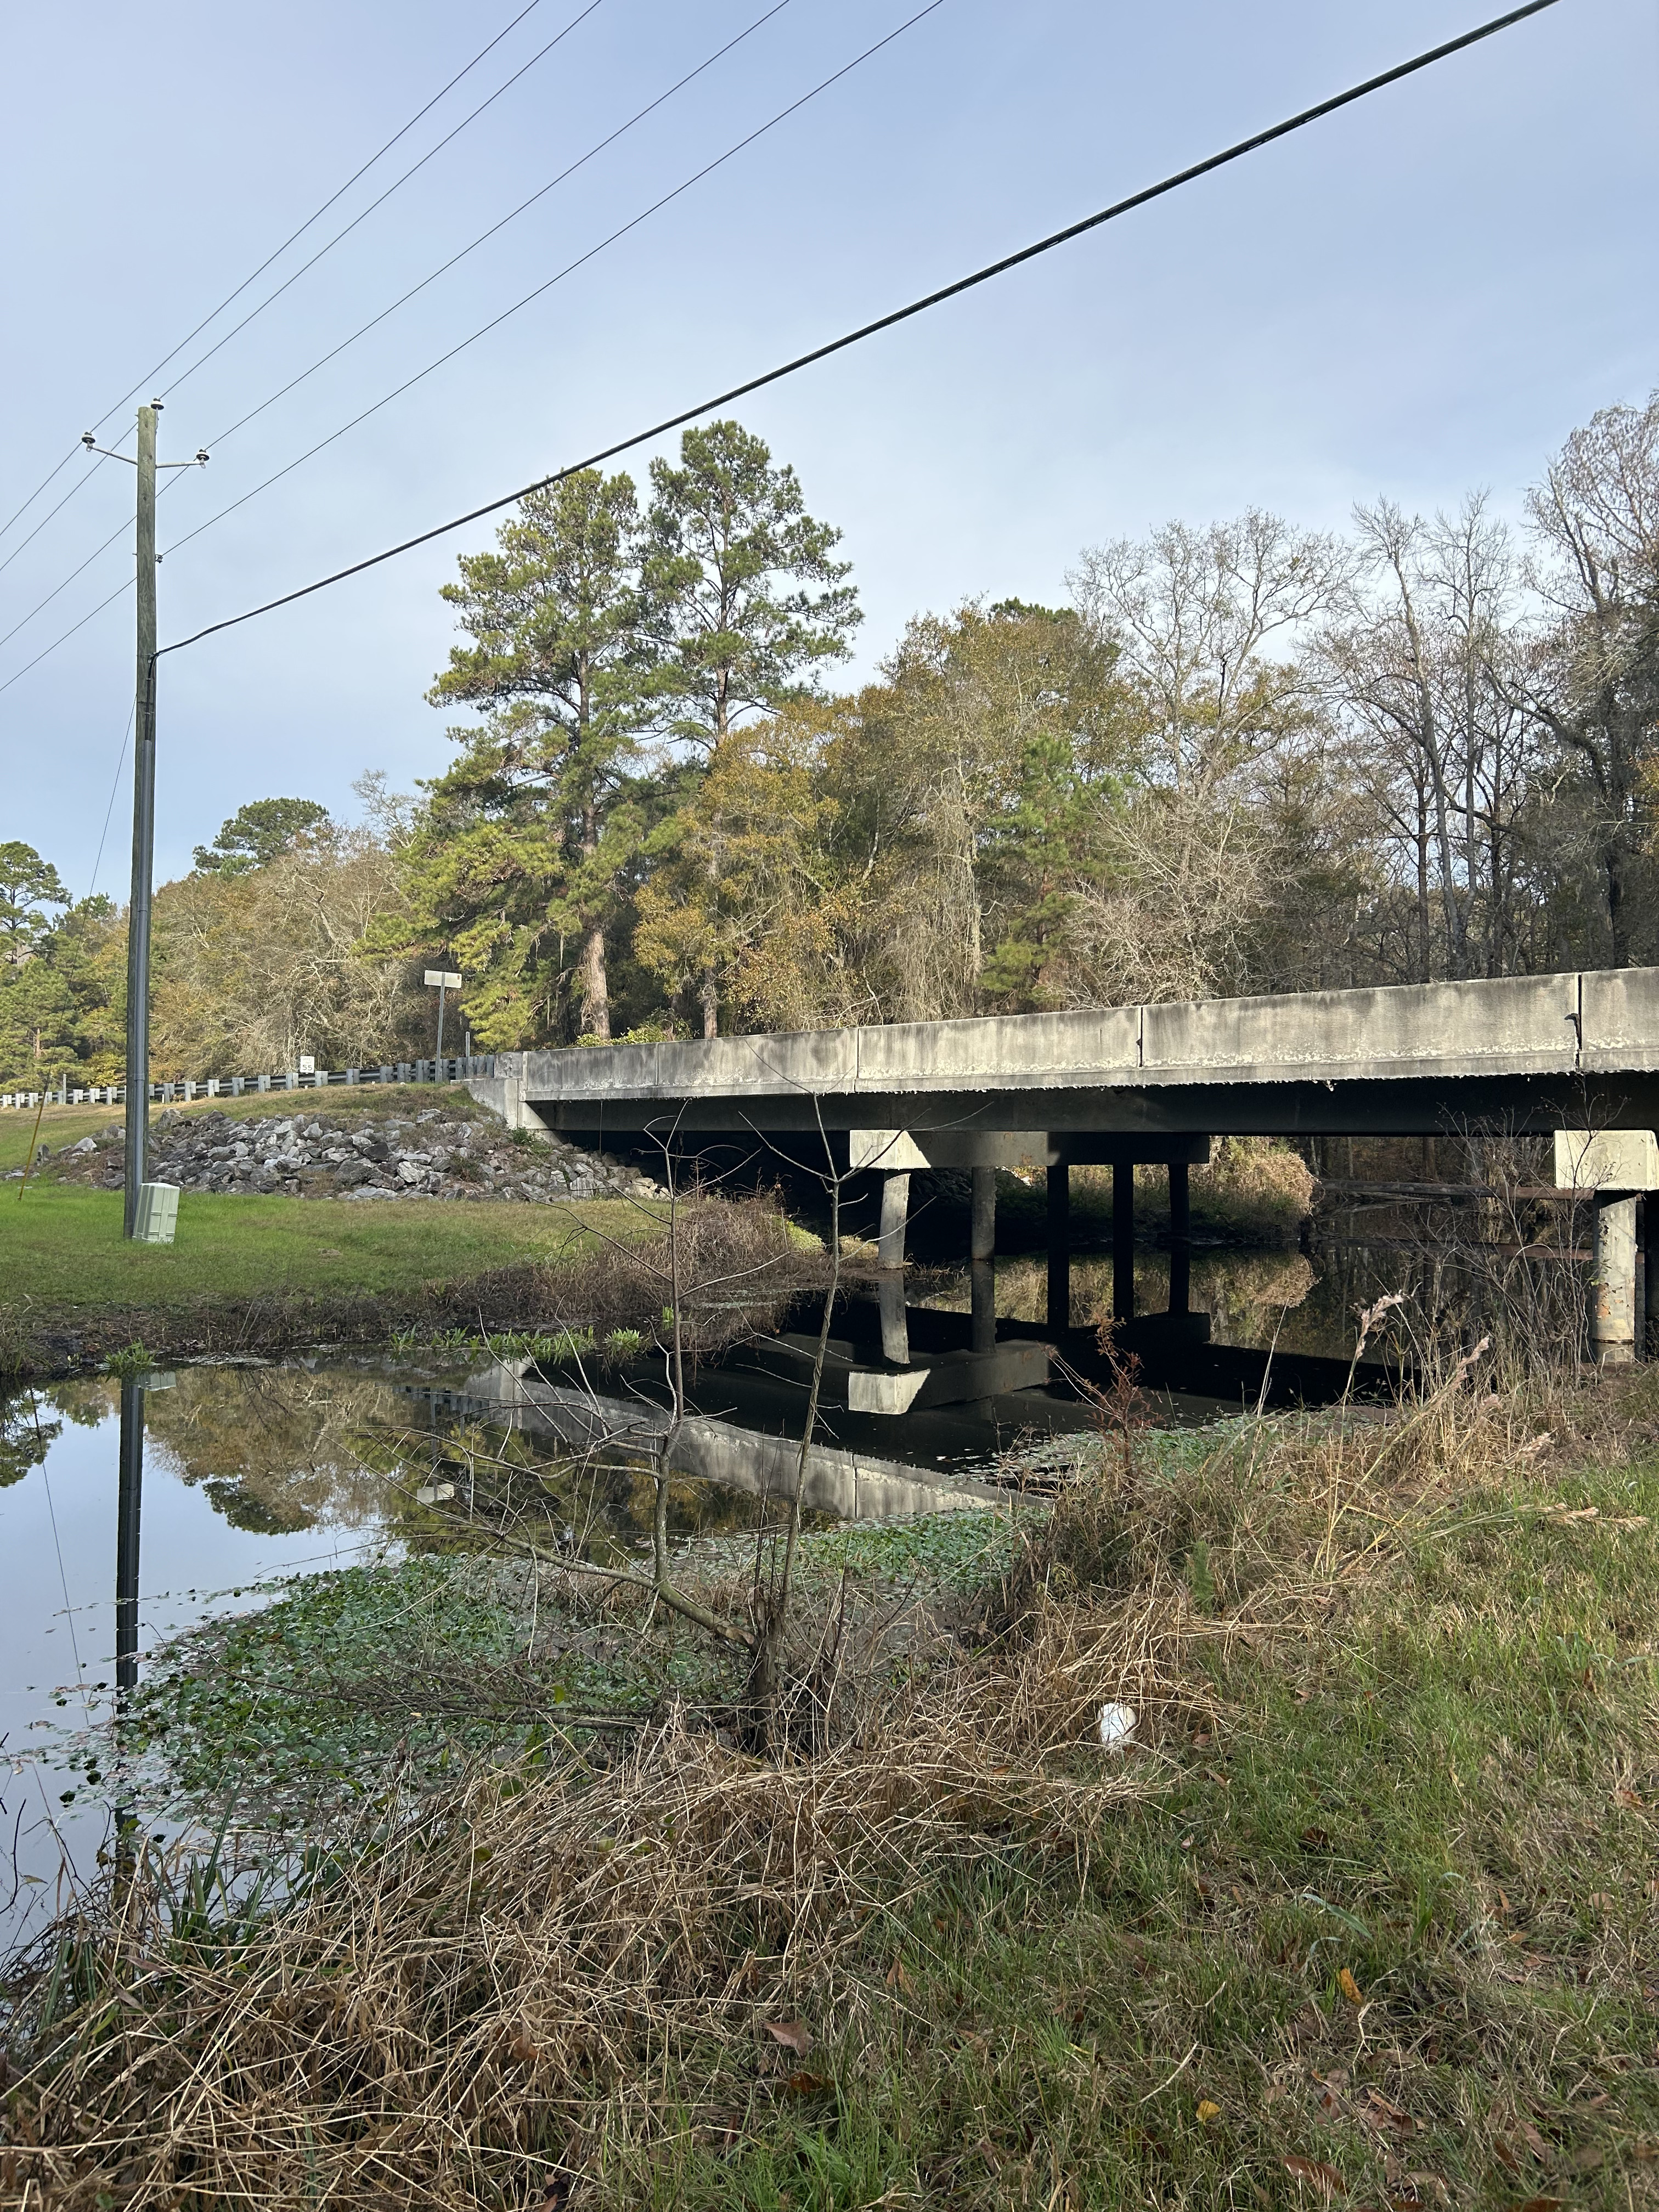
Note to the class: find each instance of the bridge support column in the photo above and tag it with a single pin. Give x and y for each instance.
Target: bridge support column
(890, 1246)
(1613, 1287)
(1059, 1246)
(981, 1257)
(1180, 1250)
(1123, 1240)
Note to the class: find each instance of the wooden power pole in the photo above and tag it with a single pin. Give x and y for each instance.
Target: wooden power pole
(143, 826)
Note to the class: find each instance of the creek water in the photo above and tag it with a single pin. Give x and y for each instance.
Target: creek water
(254, 1472)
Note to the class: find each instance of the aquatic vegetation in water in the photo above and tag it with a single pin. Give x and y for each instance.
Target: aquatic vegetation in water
(541, 1345)
(130, 1363)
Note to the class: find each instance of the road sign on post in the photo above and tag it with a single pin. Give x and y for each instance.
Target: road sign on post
(446, 980)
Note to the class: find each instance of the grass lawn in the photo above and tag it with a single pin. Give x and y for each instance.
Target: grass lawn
(64, 1266)
(62, 1246)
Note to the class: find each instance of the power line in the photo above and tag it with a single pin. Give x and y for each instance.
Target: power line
(512, 216)
(119, 531)
(120, 759)
(396, 186)
(18, 674)
(50, 476)
(570, 268)
(432, 366)
(1170, 184)
(97, 465)
(314, 216)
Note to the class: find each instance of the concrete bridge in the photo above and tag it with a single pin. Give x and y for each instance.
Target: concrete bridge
(1125, 1084)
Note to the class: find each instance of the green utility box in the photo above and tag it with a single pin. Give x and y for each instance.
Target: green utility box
(158, 1214)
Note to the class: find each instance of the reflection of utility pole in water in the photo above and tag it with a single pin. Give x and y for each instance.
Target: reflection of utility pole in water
(128, 1514)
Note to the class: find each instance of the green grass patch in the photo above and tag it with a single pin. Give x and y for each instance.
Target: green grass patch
(62, 1247)
(246, 1271)
(1388, 1939)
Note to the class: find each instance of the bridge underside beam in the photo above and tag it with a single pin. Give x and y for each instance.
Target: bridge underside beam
(1535, 1104)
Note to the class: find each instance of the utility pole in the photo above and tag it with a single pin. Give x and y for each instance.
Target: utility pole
(144, 827)
(143, 799)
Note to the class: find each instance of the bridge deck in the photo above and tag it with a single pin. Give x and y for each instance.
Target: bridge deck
(1535, 1052)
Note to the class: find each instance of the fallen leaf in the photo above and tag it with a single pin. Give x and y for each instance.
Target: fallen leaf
(1325, 2178)
(1389, 2115)
(1349, 1987)
(896, 1976)
(1587, 2160)
(1630, 1798)
(1643, 2146)
(805, 2085)
(1534, 2141)
(793, 2034)
(1316, 1839)
(1504, 2153)
(1208, 2110)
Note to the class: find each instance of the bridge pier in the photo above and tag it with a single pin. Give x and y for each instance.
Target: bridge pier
(890, 1260)
(1060, 1245)
(982, 1257)
(1123, 1240)
(1180, 1248)
(1612, 1288)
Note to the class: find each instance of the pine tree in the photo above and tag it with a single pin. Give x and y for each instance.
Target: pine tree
(746, 599)
(526, 842)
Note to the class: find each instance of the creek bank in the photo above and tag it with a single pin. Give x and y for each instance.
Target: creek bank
(265, 1275)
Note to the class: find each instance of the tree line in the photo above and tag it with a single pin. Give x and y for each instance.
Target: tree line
(1241, 757)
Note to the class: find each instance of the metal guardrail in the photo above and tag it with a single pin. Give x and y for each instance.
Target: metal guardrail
(239, 1086)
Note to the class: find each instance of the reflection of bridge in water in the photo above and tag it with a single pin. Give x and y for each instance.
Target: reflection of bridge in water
(1120, 1087)
(840, 1481)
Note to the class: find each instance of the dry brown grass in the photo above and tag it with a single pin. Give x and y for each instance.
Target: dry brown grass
(450, 2017)
(543, 1983)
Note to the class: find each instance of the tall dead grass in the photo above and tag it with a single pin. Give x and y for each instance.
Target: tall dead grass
(499, 1991)
(535, 1981)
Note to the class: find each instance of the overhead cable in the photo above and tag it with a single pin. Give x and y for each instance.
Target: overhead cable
(314, 216)
(1297, 122)
(119, 531)
(18, 674)
(444, 267)
(569, 269)
(97, 465)
(396, 185)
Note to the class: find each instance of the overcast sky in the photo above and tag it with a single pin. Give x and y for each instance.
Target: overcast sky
(1421, 295)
